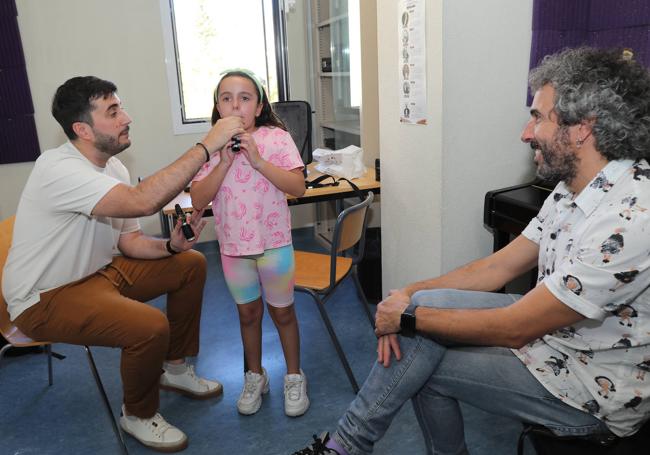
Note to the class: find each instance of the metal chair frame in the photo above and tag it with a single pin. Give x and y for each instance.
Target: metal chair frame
(322, 296)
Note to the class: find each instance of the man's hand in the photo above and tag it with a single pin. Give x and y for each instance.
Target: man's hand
(178, 241)
(222, 131)
(385, 345)
(389, 312)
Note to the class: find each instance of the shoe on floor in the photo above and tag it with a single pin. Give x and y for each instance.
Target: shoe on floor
(255, 385)
(189, 384)
(296, 401)
(155, 432)
(317, 447)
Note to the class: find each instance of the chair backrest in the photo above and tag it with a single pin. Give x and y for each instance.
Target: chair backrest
(296, 115)
(7, 329)
(350, 232)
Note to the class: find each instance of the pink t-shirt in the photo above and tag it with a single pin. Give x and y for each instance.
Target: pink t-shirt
(251, 215)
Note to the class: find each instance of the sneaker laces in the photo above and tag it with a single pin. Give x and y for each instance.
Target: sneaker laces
(250, 384)
(192, 374)
(158, 425)
(292, 389)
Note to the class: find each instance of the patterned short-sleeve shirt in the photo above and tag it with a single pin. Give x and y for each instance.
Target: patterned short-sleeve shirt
(594, 256)
(251, 215)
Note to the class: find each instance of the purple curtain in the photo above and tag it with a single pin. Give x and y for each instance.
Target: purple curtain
(558, 24)
(18, 139)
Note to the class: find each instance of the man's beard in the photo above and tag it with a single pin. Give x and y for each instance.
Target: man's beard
(110, 144)
(559, 162)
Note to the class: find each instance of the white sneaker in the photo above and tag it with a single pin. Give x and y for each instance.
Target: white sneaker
(296, 401)
(189, 384)
(155, 432)
(255, 385)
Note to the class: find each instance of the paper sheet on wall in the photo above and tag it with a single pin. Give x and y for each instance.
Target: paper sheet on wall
(412, 62)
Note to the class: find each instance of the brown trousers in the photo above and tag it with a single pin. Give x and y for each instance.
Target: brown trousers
(106, 309)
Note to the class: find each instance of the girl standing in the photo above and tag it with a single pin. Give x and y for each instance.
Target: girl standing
(246, 182)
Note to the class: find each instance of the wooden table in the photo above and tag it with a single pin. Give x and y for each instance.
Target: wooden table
(329, 193)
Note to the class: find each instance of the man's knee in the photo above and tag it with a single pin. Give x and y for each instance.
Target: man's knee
(193, 262)
(435, 298)
(156, 327)
(459, 298)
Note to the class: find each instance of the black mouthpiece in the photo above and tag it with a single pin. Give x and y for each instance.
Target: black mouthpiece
(188, 232)
(235, 144)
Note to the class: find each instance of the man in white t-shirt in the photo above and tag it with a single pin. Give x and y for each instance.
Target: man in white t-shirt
(572, 354)
(79, 266)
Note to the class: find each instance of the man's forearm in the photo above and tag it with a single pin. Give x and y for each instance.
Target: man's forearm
(151, 194)
(475, 276)
(488, 327)
(136, 245)
(486, 274)
(165, 184)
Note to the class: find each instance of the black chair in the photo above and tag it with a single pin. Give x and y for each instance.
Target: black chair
(296, 115)
(546, 442)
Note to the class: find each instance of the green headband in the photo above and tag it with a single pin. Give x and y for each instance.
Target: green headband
(249, 73)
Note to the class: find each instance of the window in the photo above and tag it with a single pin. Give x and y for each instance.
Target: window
(205, 37)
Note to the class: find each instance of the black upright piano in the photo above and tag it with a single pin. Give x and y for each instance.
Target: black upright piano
(508, 211)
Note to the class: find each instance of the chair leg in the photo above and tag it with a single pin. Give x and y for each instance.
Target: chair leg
(362, 296)
(335, 340)
(107, 405)
(4, 349)
(48, 352)
(522, 439)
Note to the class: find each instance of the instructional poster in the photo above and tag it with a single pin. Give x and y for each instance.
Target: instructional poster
(412, 63)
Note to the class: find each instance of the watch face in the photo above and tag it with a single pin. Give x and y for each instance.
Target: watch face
(407, 321)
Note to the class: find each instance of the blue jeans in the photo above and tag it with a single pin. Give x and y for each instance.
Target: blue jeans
(435, 377)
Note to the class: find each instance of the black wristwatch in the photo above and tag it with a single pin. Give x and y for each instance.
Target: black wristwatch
(407, 321)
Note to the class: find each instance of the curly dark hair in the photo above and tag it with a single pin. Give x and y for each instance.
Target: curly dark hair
(266, 118)
(72, 101)
(606, 86)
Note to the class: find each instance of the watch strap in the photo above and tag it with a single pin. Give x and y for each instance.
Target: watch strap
(168, 246)
(407, 321)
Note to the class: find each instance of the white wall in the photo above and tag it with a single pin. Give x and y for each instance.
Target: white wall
(120, 41)
(486, 49)
(434, 177)
(411, 158)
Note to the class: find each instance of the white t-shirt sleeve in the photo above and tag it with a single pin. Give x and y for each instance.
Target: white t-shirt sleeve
(70, 185)
(116, 169)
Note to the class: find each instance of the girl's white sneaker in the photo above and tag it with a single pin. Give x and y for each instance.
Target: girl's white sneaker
(296, 401)
(255, 385)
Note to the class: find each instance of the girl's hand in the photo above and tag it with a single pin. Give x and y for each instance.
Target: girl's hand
(248, 147)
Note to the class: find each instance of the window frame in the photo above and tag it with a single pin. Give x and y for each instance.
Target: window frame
(179, 126)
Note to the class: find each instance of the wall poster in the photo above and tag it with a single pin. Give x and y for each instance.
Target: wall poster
(412, 62)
